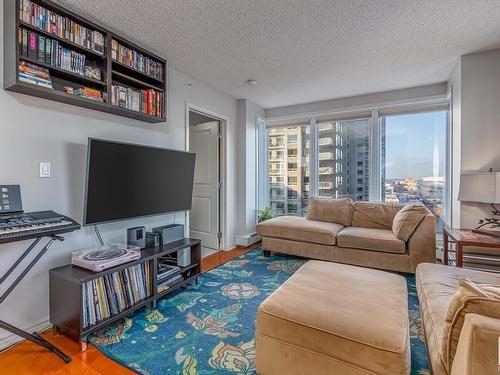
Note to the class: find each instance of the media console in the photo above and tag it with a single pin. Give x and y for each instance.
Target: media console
(67, 288)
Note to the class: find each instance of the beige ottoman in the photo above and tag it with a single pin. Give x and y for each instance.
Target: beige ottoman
(331, 318)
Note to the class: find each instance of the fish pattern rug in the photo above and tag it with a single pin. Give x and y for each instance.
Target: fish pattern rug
(209, 328)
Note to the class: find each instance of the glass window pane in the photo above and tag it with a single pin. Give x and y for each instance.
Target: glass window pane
(413, 151)
(288, 169)
(344, 159)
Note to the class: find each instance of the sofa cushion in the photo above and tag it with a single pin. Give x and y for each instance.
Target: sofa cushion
(436, 285)
(407, 220)
(300, 229)
(332, 309)
(481, 299)
(337, 211)
(376, 215)
(370, 239)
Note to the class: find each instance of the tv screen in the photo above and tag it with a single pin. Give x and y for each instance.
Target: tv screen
(127, 180)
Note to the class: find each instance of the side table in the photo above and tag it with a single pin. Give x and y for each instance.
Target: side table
(466, 237)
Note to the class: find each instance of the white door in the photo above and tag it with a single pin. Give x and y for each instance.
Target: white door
(204, 218)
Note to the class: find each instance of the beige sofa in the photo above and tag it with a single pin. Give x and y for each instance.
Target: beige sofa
(473, 350)
(359, 233)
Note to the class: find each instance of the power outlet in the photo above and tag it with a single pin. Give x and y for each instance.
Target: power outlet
(44, 169)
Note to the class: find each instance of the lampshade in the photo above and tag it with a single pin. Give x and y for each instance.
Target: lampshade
(480, 187)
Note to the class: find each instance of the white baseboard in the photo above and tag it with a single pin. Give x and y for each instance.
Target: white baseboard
(8, 339)
(229, 246)
(247, 239)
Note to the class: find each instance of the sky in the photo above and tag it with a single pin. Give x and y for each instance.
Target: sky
(415, 145)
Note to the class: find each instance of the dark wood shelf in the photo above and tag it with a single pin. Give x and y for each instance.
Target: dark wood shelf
(68, 43)
(67, 283)
(110, 70)
(62, 97)
(175, 287)
(126, 79)
(64, 72)
(136, 71)
(149, 253)
(182, 270)
(138, 115)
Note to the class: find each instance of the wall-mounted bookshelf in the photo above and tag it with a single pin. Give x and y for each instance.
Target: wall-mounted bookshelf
(53, 53)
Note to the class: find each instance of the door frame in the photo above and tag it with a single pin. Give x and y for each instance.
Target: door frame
(224, 241)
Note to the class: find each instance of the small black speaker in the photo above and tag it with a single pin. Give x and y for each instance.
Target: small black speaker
(136, 237)
(152, 239)
(170, 233)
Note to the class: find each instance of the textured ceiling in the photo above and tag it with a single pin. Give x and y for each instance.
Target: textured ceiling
(305, 50)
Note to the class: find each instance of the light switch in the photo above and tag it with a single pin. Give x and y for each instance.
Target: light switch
(44, 169)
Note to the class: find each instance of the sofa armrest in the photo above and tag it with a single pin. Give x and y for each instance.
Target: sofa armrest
(477, 351)
(422, 243)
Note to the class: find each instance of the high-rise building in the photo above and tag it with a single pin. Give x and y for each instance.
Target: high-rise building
(344, 155)
(288, 169)
(343, 164)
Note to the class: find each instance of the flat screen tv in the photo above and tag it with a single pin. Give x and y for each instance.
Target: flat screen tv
(127, 180)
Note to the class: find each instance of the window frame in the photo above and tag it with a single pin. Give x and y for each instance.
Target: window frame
(374, 145)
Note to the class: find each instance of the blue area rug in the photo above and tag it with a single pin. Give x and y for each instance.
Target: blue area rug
(209, 328)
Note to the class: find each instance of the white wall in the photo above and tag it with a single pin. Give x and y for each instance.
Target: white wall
(248, 113)
(476, 100)
(365, 103)
(34, 130)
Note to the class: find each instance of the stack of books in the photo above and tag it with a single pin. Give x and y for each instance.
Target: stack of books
(149, 101)
(65, 28)
(167, 284)
(34, 74)
(89, 93)
(113, 293)
(136, 60)
(48, 51)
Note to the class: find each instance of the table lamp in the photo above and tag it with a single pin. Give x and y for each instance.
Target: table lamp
(482, 187)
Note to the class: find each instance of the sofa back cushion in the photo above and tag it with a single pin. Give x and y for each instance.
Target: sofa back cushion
(376, 215)
(338, 211)
(407, 220)
(481, 299)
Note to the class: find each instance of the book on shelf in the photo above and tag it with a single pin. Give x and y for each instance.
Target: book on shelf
(89, 93)
(63, 27)
(113, 293)
(149, 101)
(136, 60)
(34, 74)
(49, 51)
(167, 284)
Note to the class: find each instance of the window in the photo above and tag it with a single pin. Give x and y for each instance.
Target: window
(408, 163)
(291, 175)
(413, 149)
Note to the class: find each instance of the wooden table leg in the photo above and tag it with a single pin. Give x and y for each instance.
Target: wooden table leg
(460, 255)
(445, 248)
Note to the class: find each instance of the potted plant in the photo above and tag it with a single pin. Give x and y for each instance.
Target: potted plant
(265, 214)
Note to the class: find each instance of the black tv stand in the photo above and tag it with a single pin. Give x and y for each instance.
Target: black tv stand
(66, 284)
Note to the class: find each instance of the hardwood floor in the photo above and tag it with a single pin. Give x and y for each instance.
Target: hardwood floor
(28, 358)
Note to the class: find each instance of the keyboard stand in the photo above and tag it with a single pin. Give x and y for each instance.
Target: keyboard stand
(35, 337)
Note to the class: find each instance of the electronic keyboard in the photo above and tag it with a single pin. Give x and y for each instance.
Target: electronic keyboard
(17, 227)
